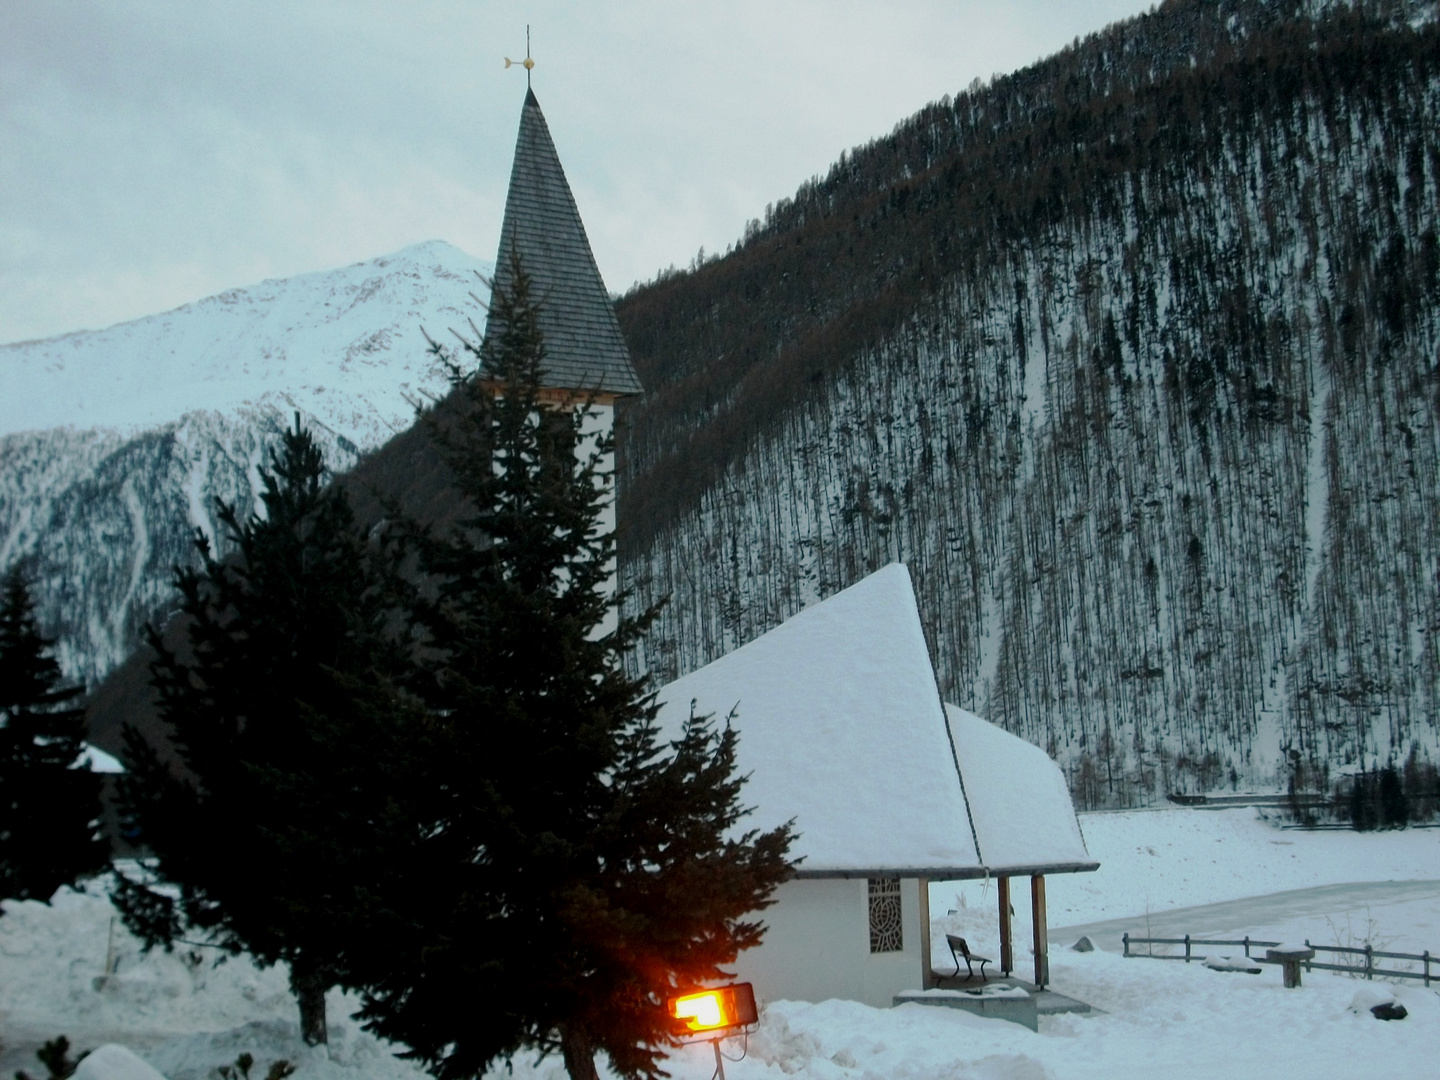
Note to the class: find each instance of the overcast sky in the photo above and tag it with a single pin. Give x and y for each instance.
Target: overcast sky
(153, 152)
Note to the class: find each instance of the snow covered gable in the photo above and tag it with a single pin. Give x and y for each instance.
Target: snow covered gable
(842, 728)
(1019, 803)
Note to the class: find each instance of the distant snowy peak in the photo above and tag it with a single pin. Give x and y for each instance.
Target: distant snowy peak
(115, 443)
(344, 346)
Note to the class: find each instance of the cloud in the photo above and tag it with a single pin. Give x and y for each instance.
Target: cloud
(157, 152)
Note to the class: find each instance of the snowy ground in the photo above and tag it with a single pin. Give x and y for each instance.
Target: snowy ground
(1202, 872)
(1393, 916)
(1162, 1019)
(1154, 863)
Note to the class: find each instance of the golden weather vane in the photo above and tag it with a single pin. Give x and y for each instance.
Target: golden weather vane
(528, 64)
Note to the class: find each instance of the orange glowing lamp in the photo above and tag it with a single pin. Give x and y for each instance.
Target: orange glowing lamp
(708, 1014)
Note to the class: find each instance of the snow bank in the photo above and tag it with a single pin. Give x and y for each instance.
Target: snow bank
(185, 1012)
(350, 1054)
(115, 1062)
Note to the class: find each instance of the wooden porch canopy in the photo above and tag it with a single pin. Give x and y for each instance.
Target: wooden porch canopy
(1024, 821)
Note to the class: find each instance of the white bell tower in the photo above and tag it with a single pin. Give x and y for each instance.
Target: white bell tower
(586, 358)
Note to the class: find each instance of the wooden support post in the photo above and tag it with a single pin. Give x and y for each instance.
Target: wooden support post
(1037, 918)
(1290, 958)
(927, 973)
(1007, 950)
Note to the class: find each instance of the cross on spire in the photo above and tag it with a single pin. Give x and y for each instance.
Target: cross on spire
(528, 64)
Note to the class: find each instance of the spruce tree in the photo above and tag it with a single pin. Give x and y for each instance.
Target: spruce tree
(260, 809)
(1394, 805)
(49, 798)
(1363, 815)
(576, 868)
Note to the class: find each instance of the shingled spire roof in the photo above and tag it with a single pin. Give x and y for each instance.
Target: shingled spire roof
(584, 348)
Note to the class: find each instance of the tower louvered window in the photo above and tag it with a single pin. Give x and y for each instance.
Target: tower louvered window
(885, 915)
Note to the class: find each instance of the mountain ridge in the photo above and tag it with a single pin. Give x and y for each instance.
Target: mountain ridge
(232, 348)
(184, 406)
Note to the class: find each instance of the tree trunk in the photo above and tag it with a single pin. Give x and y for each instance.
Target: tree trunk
(309, 988)
(579, 1054)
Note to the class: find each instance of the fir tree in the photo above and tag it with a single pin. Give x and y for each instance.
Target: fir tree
(575, 868)
(49, 798)
(1394, 806)
(1363, 814)
(260, 811)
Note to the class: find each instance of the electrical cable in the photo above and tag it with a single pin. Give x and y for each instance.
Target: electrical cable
(746, 1050)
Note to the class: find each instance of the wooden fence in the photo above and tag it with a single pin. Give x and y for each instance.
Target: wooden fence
(1367, 968)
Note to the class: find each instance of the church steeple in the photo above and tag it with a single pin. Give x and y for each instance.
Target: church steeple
(585, 351)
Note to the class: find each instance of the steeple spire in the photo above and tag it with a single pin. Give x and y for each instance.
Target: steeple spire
(585, 351)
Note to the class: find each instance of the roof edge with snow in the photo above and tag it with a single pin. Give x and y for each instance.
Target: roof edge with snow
(950, 873)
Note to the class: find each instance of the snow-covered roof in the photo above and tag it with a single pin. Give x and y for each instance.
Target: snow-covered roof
(842, 728)
(1019, 804)
(98, 761)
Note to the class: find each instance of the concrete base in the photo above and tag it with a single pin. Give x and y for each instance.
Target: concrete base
(1047, 1002)
(995, 1001)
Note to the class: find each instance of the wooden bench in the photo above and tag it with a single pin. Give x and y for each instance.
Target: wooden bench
(959, 949)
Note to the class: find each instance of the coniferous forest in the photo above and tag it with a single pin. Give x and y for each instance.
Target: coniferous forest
(1134, 358)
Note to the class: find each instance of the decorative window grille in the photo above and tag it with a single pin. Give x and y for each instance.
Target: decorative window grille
(885, 915)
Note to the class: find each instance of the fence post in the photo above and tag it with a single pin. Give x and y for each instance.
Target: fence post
(1307, 962)
(1426, 958)
(1125, 939)
(1187, 948)
(1369, 962)
(1247, 946)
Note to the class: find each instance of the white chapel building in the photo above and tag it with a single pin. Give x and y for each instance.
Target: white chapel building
(587, 363)
(843, 730)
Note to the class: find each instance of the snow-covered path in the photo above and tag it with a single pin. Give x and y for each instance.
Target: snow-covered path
(1401, 916)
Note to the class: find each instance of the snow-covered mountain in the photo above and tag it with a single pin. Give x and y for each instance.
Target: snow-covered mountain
(115, 443)
(343, 346)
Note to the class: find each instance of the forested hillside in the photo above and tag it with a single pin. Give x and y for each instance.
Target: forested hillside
(1133, 357)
